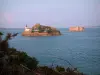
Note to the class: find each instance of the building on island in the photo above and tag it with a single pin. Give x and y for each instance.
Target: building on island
(27, 29)
(76, 29)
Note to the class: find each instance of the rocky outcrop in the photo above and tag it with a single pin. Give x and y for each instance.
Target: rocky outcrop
(76, 29)
(41, 30)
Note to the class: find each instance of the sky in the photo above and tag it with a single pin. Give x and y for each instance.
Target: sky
(56, 13)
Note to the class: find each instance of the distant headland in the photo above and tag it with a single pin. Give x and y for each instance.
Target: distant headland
(40, 30)
(76, 29)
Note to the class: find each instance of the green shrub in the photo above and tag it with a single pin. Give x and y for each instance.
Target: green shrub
(32, 30)
(15, 57)
(31, 62)
(1, 33)
(49, 31)
(60, 69)
(18, 57)
(41, 30)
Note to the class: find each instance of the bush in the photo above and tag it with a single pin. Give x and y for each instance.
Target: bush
(31, 62)
(49, 31)
(32, 30)
(60, 69)
(1, 33)
(18, 57)
(15, 57)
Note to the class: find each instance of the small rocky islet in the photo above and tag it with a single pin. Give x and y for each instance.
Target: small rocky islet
(76, 29)
(41, 30)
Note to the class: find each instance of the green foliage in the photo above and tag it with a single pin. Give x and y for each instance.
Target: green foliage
(31, 62)
(39, 27)
(12, 58)
(18, 57)
(32, 30)
(41, 30)
(60, 69)
(48, 71)
(49, 31)
(1, 33)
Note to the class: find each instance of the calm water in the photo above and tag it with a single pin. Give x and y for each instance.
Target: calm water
(81, 49)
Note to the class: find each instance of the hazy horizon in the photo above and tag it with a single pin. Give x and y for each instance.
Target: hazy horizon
(56, 13)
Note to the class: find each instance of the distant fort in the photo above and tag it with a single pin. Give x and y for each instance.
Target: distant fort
(76, 29)
(40, 30)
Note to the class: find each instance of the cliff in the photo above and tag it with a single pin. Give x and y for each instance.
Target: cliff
(41, 30)
(76, 29)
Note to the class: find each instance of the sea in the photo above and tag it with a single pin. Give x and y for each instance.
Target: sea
(71, 49)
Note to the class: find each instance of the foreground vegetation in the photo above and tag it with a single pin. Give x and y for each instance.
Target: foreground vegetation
(14, 62)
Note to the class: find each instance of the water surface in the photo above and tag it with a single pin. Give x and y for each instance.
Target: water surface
(81, 49)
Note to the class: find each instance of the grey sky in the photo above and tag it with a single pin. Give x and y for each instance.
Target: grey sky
(57, 13)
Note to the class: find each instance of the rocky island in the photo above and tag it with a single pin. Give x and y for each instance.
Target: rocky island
(76, 29)
(40, 30)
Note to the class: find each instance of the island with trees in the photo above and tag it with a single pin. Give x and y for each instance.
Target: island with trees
(40, 30)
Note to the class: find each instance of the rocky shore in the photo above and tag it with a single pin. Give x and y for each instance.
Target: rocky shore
(40, 30)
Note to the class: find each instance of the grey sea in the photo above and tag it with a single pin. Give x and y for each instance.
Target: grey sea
(80, 49)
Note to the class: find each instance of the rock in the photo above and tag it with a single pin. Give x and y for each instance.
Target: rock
(41, 30)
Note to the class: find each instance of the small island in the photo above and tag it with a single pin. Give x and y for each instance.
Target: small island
(40, 30)
(76, 29)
